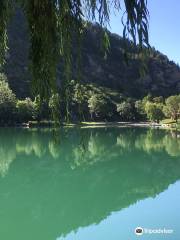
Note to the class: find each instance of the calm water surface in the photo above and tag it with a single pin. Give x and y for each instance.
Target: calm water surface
(89, 184)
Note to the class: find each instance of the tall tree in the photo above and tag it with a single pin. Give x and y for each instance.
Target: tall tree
(172, 107)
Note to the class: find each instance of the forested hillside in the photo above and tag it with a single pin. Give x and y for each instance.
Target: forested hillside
(162, 76)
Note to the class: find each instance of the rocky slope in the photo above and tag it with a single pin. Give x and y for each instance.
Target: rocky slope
(162, 77)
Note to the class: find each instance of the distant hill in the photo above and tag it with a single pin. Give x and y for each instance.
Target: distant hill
(162, 77)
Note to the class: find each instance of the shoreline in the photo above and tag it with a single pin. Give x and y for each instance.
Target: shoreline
(50, 124)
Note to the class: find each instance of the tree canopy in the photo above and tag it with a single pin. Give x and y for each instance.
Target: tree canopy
(172, 107)
(54, 25)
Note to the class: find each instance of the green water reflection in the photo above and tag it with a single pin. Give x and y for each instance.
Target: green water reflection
(51, 185)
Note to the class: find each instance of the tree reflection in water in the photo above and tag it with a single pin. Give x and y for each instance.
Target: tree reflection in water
(79, 178)
(82, 147)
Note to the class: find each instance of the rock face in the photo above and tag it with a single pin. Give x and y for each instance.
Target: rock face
(162, 76)
(17, 58)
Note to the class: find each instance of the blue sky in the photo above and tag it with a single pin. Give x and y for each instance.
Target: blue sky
(164, 27)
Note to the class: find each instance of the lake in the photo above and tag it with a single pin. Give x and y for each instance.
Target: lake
(89, 184)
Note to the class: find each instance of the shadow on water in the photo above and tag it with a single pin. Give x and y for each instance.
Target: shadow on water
(49, 187)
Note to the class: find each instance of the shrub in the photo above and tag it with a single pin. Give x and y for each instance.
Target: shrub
(7, 102)
(26, 110)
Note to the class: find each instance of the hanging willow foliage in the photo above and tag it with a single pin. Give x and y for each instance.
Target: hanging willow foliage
(5, 7)
(53, 26)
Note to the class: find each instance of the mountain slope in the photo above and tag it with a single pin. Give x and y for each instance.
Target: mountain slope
(162, 77)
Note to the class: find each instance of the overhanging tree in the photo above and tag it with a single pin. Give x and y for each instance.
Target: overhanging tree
(54, 25)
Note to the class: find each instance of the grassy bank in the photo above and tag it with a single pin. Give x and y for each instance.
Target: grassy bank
(167, 123)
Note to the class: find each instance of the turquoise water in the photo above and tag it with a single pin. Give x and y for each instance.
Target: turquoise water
(89, 184)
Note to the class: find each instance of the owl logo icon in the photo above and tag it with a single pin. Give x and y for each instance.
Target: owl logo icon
(139, 231)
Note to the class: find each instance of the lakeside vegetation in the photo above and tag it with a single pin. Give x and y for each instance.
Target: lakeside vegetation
(110, 89)
(86, 103)
(107, 90)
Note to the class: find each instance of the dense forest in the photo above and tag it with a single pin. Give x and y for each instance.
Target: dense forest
(162, 77)
(96, 104)
(110, 89)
